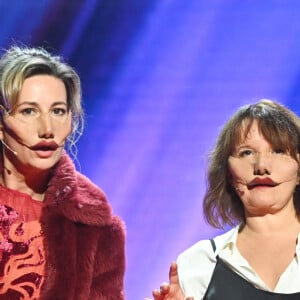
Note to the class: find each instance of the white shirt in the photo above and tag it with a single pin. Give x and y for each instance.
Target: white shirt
(197, 263)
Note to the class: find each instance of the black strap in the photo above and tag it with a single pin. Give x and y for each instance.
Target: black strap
(213, 244)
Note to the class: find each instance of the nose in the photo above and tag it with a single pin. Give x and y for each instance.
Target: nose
(45, 129)
(262, 165)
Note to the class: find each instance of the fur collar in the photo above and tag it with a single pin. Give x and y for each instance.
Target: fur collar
(74, 196)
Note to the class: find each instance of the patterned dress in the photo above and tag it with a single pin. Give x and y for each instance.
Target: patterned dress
(22, 259)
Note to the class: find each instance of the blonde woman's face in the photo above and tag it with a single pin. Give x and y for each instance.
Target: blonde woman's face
(264, 178)
(37, 128)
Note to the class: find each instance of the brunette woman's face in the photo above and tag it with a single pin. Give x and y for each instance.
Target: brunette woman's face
(264, 178)
(36, 130)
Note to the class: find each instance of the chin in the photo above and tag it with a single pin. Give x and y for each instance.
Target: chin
(46, 164)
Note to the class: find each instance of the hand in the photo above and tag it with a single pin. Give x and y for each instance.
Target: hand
(171, 290)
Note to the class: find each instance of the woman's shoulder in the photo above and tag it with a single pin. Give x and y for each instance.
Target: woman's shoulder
(196, 263)
(207, 249)
(89, 189)
(200, 250)
(195, 268)
(79, 199)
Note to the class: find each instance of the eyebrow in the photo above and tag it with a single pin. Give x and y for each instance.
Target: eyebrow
(243, 146)
(34, 103)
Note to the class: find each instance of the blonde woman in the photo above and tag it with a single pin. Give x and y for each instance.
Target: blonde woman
(58, 236)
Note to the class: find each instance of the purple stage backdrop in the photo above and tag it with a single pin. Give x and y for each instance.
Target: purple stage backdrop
(160, 78)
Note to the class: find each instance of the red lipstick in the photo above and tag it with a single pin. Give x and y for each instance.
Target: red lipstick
(261, 182)
(44, 146)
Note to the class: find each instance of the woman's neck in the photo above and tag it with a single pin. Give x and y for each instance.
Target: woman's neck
(270, 224)
(32, 183)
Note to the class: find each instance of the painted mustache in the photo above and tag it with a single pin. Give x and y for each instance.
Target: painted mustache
(241, 186)
(261, 182)
(42, 146)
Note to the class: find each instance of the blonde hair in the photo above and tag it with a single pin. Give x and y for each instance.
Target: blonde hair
(19, 63)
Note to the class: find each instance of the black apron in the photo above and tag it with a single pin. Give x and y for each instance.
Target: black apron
(225, 284)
